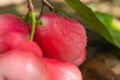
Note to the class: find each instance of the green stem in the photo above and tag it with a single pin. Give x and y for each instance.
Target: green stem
(33, 17)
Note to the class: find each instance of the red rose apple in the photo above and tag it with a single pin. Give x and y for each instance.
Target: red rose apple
(29, 46)
(60, 70)
(9, 40)
(61, 38)
(22, 65)
(12, 31)
(12, 23)
(80, 60)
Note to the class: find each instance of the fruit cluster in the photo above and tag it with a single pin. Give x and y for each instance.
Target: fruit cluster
(59, 45)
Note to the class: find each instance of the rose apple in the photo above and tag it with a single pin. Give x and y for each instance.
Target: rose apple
(22, 65)
(29, 46)
(12, 23)
(12, 31)
(80, 60)
(60, 70)
(60, 37)
(9, 40)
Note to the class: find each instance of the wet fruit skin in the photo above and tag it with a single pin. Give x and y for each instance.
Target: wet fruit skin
(60, 70)
(22, 65)
(9, 40)
(29, 46)
(12, 31)
(80, 60)
(60, 37)
(12, 23)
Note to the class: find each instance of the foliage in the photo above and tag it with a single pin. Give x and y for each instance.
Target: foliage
(104, 24)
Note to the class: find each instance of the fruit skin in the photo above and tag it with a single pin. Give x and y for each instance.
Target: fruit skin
(12, 23)
(61, 38)
(9, 40)
(30, 46)
(22, 65)
(80, 60)
(60, 70)
(12, 31)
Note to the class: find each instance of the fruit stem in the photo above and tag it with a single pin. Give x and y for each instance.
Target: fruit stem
(33, 18)
(30, 5)
(54, 8)
(33, 25)
(48, 4)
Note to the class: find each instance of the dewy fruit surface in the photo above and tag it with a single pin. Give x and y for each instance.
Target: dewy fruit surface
(22, 65)
(80, 60)
(12, 31)
(61, 38)
(60, 70)
(30, 46)
(9, 40)
(12, 23)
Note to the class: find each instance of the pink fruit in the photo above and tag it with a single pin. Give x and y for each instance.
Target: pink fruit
(12, 31)
(12, 23)
(30, 46)
(22, 65)
(61, 38)
(9, 40)
(59, 70)
(80, 60)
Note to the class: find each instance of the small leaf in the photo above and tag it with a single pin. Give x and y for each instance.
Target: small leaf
(112, 25)
(90, 19)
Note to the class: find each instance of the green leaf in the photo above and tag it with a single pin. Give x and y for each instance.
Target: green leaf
(112, 25)
(90, 19)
